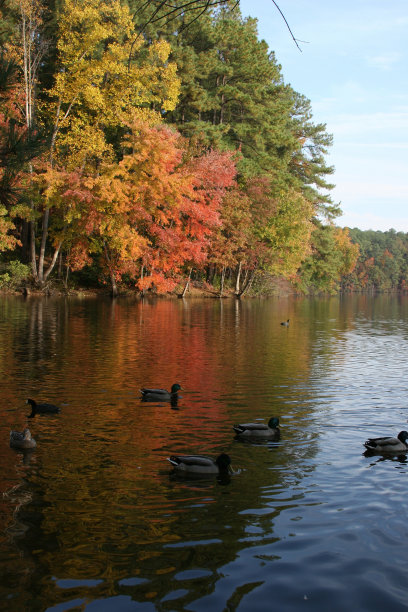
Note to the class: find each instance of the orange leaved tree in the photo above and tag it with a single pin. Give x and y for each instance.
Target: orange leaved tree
(150, 214)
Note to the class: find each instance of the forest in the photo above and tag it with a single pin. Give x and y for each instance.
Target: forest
(382, 264)
(148, 145)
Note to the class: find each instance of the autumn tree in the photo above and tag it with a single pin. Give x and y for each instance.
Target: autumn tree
(382, 263)
(229, 245)
(93, 94)
(18, 146)
(149, 214)
(333, 255)
(233, 96)
(281, 228)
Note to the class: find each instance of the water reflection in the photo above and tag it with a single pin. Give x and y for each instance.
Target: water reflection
(95, 514)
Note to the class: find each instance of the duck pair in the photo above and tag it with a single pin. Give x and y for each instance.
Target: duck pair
(200, 464)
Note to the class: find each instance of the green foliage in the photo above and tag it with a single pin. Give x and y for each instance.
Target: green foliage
(383, 261)
(108, 190)
(233, 96)
(333, 254)
(16, 272)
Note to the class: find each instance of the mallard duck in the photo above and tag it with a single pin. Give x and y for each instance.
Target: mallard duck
(268, 431)
(43, 408)
(160, 395)
(200, 464)
(388, 444)
(285, 323)
(22, 439)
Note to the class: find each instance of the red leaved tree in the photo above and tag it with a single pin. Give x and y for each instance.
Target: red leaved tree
(148, 216)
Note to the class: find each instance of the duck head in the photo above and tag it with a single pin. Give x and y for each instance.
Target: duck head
(403, 437)
(273, 422)
(224, 462)
(176, 387)
(33, 405)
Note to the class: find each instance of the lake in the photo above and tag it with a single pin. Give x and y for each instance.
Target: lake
(94, 519)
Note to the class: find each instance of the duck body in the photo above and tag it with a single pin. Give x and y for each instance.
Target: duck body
(22, 439)
(42, 408)
(200, 464)
(160, 395)
(285, 323)
(388, 445)
(264, 431)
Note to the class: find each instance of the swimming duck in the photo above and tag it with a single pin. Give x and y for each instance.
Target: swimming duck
(268, 431)
(285, 323)
(200, 464)
(160, 395)
(388, 444)
(22, 439)
(41, 408)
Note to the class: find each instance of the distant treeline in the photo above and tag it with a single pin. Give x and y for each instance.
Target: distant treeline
(382, 264)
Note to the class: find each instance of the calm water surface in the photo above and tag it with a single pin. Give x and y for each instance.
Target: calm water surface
(94, 520)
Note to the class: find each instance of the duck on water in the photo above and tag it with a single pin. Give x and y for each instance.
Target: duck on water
(22, 439)
(41, 408)
(160, 395)
(201, 464)
(388, 445)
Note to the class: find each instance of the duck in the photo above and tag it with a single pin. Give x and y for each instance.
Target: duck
(43, 408)
(268, 431)
(160, 395)
(201, 464)
(22, 439)
(388, 444)
(285, 323)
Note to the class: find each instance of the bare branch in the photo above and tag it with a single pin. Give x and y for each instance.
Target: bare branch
(166, 11)
(172, 12)
(284, 19)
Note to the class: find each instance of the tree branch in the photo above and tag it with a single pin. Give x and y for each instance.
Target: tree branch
(284, 19)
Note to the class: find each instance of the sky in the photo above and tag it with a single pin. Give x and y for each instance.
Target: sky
(353, 67)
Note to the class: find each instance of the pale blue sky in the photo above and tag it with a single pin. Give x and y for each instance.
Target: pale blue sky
(354, 70)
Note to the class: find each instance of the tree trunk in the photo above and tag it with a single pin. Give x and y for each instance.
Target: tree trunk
(238, 278)
(66, 278)
(142, 292)
(187, 285)
(32, 251)
(222, 103)
(210, 274)
(53, 262)
(59, 265)
(222, 281)
(247, 285)
(25, 242)
(114, 288)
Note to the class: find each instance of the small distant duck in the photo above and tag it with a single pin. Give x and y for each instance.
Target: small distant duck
(268, 431)
(160, 395)
(285, 323)
(43, 408)
(22, 439)
(388, 444)
(200, 464)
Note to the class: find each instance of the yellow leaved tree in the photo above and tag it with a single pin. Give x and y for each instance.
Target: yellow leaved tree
(104, 75)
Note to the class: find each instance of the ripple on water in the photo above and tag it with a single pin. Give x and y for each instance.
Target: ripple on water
(94, 518)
